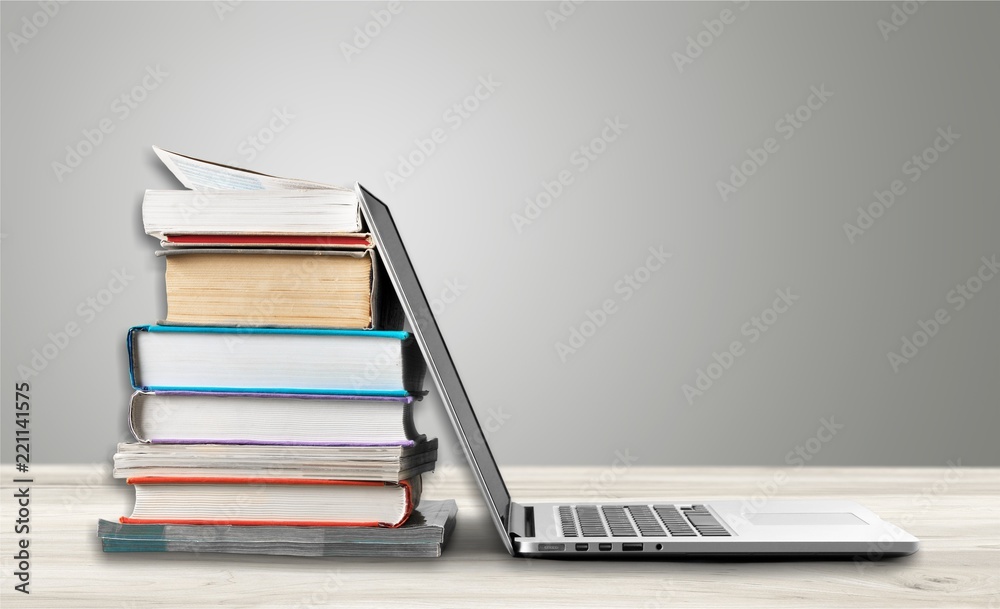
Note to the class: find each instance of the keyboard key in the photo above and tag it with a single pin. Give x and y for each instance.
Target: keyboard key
(676, 525)
(590, 521)
(646, 521)
(567, 521)
(618, 521)
(704, 522)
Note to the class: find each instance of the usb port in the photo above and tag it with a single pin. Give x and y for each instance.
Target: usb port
(631, 547)
(604, 547)
(582, 547)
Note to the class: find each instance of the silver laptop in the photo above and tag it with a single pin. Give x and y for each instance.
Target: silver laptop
(628, 528)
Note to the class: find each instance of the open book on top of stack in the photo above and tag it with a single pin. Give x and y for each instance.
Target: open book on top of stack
(278, 393)
(247, 249)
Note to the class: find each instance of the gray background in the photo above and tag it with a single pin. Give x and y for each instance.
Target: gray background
(620, 396)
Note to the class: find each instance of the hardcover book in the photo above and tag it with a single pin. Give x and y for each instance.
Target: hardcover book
(188, 417)
(271, 501)
(273, 360)
(279, 288)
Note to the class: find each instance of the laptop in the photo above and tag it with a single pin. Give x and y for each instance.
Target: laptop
(622, 528)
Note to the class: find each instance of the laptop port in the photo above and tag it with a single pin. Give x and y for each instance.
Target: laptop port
(604, 547)
(582, 547)
(631, 547)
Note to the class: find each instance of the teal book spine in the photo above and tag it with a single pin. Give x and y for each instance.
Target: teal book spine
(413, 364)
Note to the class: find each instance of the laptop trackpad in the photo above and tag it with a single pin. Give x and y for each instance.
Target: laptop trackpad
(813, 519)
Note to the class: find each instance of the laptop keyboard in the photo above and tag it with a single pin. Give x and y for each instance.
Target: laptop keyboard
(639, 521)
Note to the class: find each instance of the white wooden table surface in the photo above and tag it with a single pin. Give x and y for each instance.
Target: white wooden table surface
(955, 512)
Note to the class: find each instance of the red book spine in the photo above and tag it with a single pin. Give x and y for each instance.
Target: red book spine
(314, 240)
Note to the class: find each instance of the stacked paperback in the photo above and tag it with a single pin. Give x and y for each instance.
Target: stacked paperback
(273, 407)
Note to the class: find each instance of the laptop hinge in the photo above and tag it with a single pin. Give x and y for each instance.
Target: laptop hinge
(522, 520)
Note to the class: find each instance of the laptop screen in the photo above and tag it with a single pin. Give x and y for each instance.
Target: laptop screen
(439, 363)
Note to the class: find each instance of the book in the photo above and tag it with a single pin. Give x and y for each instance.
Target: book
(377, 463)
(182, 216)
(179, 417)
(424, 535)
(197, 174)
(290, 288)
(271, 501)
(273, 409)
(274, 360)
(361, 241)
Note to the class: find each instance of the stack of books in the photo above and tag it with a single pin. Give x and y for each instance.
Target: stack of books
(273, 407)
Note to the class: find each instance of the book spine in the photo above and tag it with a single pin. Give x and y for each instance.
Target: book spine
(133, 414)
(133, 368)
(387, 312)
(414, 367)
(252, 523)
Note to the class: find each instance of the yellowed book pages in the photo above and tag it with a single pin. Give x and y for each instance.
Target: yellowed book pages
(267, 289)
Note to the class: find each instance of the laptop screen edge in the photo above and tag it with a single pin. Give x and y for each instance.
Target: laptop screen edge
(440, 365)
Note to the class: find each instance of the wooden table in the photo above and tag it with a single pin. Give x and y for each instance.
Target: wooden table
(954, 511)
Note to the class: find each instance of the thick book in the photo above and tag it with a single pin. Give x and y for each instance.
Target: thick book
(424, 535)
(271, 501)
(178, 215)
(376, 463)
(279, 288)
(190, 417)
(274, 360)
